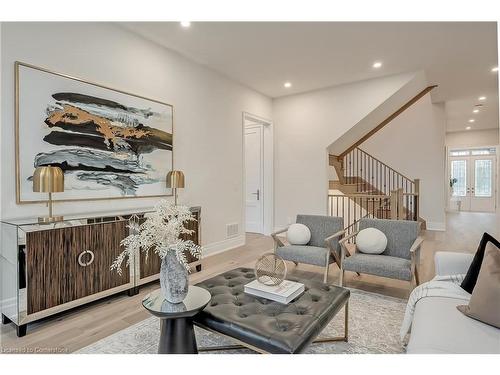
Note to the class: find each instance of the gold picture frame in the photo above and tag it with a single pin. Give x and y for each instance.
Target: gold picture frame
(17, 66)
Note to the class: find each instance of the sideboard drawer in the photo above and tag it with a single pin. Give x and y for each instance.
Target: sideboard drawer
(54, 276)
(104, 242)
(66, 264)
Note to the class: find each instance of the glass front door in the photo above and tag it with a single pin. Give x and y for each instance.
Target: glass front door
(472, 179)
(482, 194)
(459, 184)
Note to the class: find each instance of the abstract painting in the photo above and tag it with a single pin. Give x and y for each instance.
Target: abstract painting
(110, 144)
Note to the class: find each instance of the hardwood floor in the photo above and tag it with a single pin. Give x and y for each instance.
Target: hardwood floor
(77, 328)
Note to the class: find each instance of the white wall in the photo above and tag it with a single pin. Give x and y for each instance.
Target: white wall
(414, 83)
(207, 112)
(413, 144)
(474, 138)
(304, 126)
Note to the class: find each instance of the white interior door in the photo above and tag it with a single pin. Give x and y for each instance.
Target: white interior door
(254, 143)
(482, 183)
(475, 185)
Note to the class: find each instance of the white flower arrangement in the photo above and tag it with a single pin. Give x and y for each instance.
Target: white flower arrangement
(160, 231)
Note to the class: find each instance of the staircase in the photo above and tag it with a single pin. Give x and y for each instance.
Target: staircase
(370, 188)
(367, 187)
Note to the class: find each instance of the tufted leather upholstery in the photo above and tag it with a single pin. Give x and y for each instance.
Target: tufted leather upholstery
(268, 325)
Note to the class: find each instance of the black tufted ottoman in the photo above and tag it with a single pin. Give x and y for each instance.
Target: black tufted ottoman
(266, 326)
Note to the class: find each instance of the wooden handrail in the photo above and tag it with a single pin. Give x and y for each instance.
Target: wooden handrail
(387, 120)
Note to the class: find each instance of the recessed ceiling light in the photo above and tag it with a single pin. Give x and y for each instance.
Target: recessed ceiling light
(481, 98)
(475, 110)
(471, 120)
(287, 84)
(495, 69)
(185, 23)
(467, 128)
(377, 64)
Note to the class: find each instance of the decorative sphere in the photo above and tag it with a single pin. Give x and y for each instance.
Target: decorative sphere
(298, 234)
(270, 269)
(371, 241)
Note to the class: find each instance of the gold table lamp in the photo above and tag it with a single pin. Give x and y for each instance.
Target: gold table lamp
(175, 180)
(48, 179)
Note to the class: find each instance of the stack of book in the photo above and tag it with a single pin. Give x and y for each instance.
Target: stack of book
(284, 293)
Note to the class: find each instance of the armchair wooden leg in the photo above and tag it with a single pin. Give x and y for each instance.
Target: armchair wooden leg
(325, 278)
(341, 277)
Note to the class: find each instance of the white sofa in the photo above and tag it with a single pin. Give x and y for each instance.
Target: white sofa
(438, 327)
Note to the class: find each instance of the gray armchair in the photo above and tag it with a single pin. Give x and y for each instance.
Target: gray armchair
(400, 258)
(322, 250)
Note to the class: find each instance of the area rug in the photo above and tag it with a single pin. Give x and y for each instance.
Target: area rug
(374, 323)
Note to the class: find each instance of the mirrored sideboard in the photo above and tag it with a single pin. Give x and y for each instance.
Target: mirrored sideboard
(49, 268)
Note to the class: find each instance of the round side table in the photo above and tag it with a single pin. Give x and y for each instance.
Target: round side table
(177, 331)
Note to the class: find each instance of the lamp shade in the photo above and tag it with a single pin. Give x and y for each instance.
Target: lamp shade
(175, 179)
(48, 179)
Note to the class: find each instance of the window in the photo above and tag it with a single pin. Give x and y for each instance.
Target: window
(483, 180)
(483, 151)
(458, 172)
(459, 153)
(474, 152)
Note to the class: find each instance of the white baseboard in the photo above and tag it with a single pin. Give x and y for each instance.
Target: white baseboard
(436, 225)
(221, 246)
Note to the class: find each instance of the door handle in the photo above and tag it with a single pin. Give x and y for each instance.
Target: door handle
(82, 254)
(257, 194)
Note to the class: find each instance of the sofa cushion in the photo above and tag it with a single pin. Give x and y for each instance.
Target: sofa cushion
(298, 234)
(379, 265)
(484, 304)
(371, 241)
(474, 268)
(438, 327)
(304, 254)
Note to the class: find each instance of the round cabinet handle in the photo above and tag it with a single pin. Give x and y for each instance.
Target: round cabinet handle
(89, 262)
(91, 257)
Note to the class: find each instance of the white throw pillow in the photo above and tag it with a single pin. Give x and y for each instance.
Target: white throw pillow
(298, 234)
(371, 241)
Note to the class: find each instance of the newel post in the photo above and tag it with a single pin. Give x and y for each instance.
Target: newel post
(417, 198)
(394, 204)
(401, 213)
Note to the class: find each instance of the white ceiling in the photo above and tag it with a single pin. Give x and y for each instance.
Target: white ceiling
(458, 56)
